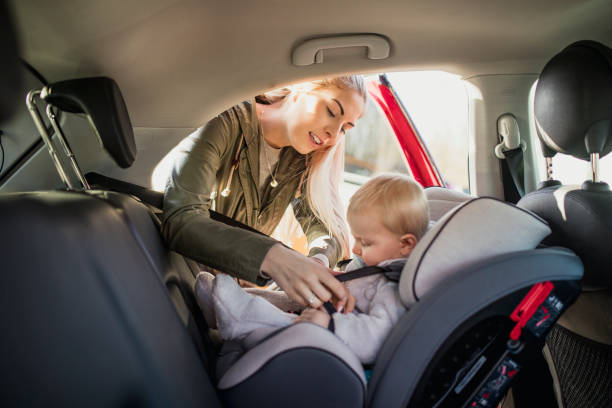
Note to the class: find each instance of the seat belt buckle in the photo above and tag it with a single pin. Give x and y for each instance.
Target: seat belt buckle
(538, 302)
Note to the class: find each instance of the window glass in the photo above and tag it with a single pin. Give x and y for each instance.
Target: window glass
(437, 103)
(371, 147)
(570, 170)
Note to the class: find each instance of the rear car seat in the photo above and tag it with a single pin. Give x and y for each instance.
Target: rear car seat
(85, 308)
(101, 100)
(86, 319)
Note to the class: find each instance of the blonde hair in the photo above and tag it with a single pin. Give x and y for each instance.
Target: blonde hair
(324, 167)
(398, 200)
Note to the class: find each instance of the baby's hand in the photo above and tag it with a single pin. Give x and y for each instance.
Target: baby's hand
(314, 316)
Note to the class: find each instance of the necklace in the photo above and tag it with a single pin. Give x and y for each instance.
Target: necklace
(273, 183)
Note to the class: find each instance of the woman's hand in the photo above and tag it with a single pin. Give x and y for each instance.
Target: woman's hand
(306, 281)
(349, 306)
(314, 316)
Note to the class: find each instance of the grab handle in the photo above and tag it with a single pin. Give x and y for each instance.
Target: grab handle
(311, 51)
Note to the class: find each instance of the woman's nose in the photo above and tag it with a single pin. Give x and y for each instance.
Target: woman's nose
(332, 133)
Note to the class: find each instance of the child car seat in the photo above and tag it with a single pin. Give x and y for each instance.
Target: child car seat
(480, 301)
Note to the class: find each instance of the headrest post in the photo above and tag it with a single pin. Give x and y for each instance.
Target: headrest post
(66, 146)
(549, 168)
(40, 126)
(595, 166)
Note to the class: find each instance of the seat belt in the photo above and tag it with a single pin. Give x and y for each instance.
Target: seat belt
(514, 175)
(153, 198)
(510, 152)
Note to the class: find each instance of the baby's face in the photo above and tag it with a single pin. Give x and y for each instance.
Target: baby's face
(373, 242)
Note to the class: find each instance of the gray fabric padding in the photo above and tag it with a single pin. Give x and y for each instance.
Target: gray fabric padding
(478, 229)
(441, 200)
(294, 337)
(419, 334)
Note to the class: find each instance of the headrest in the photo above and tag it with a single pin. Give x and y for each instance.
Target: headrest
(476, 230)
(573, 101)
(441, 200)
(101, 99)
(10, 73)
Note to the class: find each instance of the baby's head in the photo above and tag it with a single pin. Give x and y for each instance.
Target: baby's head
(387, 216)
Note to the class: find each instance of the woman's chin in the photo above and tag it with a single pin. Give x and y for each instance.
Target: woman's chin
(304, 149)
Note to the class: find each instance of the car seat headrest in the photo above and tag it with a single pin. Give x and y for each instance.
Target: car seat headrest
(100, 99)
(573, 101)
(441, 200)
(10, 73)
(476, 230)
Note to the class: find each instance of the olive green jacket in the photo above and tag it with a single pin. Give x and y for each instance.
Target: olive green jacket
(201, 171)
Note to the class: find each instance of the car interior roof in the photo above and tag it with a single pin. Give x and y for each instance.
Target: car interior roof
(180, 62)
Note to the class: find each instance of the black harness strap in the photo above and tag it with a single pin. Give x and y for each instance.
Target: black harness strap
(361, 273)
(392, 272)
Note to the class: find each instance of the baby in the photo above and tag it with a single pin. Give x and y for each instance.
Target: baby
(387, 216)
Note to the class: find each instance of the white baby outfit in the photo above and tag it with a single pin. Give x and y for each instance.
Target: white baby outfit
(377, 308)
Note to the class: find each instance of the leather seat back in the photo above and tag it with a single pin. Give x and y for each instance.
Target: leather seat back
(86, 319)
(573, 113)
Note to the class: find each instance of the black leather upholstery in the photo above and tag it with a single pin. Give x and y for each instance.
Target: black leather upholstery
(573, 101)
(86, 319)
(101, 99)
(10, 74)
(573, 112)
(582, 221)
(176, 271)
(97, 311)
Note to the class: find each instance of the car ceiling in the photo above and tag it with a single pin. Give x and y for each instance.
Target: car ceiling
(180, 62)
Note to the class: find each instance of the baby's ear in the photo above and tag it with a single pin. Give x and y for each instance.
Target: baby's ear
(407, 244)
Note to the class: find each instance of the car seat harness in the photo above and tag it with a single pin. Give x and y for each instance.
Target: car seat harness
(392, 272)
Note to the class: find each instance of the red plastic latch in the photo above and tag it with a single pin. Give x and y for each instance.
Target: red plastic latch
(528, 306)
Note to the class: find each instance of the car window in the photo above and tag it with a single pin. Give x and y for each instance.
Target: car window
(371, 147)
(569, 170)
(437, 103)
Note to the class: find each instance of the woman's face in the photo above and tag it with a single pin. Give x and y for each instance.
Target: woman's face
(317, 119)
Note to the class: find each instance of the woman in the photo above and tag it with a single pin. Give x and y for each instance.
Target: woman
(250, 163)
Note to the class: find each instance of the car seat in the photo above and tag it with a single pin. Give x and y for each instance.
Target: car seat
(573, 113)
(480, 301)
(96, 310)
